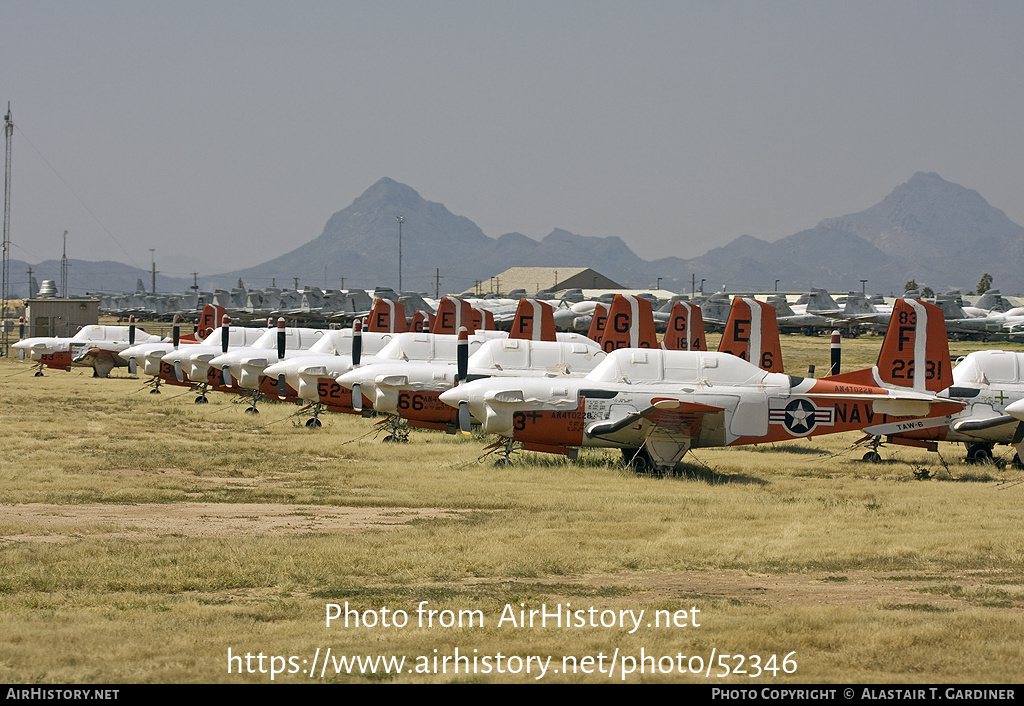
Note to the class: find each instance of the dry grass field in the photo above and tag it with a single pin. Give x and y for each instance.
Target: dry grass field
(143, 537)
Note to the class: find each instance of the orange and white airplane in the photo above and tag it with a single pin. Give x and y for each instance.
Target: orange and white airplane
(149, 354)
(95, 346)
(657, 404)
(313, 376)
(410, 388)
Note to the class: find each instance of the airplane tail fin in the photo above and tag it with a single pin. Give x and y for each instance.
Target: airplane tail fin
(915, 341)
(534, 321)
(630, 324)
(597, 323)
(387, 316)
(752, 333)
(422, 321)
(685, 329)
(209, 320)
(483, 319)
(452, 314)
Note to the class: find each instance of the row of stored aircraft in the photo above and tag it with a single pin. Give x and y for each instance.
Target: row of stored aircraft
(814, 312)
(615, 387)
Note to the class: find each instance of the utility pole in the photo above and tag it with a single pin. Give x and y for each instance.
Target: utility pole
(152, 255)
(30, 282)
(8, 132)
(437, 284)
(195, 282)
(401, 220)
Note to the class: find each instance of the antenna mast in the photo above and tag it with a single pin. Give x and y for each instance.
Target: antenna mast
(8, 132)
(64, 269)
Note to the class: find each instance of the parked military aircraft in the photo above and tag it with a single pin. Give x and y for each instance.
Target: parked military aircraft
(313, 375)
(991, 386)
(410, 389)
(656, 405)
(151, 353)
(94, 346)
(190, 365)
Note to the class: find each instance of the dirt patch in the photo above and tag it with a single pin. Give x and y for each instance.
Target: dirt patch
(60, 523)
(848, 588)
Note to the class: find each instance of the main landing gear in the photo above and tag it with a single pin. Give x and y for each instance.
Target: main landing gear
(314, 421)
(639, 460)
(398, 429)
(873, 456)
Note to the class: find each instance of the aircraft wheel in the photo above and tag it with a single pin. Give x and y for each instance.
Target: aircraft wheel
(251, 410)
(639, 460)
(502, 463)
(313, 423)
(154, 391)
(389, 439)
(201, 400)
(1016, 462)
(979, 454)
(39, 373)
(872, 457)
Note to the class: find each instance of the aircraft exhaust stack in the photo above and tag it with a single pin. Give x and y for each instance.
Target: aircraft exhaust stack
(810, 370)
(837, 353)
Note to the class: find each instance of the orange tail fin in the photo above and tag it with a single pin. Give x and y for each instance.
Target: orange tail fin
(916, 340)
(685, 329)
(535, 321)
(421, 321)
(630, 324)
(483, 319)
(597, 323)
(452, 314)
(387, 316)
(209, 320)
(752, 333)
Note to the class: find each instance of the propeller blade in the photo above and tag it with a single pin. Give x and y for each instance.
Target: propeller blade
(132, 367)
(282, 386)
(280, 338)
(131, 332)
(465, 425)
(357, 342)
(178, 373)
(225, 376)
(225, 333)
(463, 355)
(357, 398)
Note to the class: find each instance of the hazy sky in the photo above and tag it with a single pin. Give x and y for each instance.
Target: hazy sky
(231, 131)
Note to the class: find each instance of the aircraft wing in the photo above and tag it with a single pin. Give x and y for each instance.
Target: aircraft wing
(667, 428)
(670, 416)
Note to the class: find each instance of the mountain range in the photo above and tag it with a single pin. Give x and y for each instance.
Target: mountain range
(928, 229)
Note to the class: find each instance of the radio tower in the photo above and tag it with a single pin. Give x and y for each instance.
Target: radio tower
(64, 269)
(8, 132)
